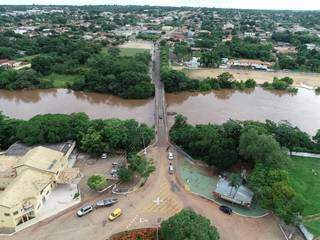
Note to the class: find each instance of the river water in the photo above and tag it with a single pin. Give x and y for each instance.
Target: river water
(302, 110)
(25, 104)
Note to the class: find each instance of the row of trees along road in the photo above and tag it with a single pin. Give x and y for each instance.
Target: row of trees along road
(261, 146)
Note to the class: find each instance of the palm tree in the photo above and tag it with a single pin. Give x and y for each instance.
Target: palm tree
(235, 181)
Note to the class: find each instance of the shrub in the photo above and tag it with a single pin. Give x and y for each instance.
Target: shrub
(97, 182)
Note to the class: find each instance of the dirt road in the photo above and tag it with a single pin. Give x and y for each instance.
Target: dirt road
(300, 79)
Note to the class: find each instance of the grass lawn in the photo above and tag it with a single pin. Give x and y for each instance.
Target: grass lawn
(313, 227)
(304, 177)
(61, 80)
(128, 52)
(26, 58)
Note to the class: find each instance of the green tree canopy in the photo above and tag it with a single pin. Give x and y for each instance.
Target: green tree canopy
(188, 225)
(97, 182)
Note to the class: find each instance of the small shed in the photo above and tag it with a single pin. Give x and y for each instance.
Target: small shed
(240, 195)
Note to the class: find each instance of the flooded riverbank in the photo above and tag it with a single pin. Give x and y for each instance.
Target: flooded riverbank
(26, 104)
(301, 110)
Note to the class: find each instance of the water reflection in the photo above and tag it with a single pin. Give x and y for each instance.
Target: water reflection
(25, 104)
(301, 109)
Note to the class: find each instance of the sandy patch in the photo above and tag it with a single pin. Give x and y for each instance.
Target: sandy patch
(137, 44)
(301, 79)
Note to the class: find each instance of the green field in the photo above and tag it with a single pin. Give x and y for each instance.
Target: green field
(313, 227)
(26, 58)
(61, 80)
(128, 52)
(304, 177)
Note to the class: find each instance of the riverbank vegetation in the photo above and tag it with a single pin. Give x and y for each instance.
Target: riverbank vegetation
(92, 136)
(63, 61)
(261, 146)
(126, 77)
(281, 84)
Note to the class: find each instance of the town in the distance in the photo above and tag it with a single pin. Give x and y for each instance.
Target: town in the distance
(146, 122)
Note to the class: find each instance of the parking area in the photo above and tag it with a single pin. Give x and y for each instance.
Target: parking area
(89, 166)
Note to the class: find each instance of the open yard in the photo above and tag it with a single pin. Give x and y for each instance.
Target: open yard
(128, 52)
(304, 177)
(61, 80)
(300, 79)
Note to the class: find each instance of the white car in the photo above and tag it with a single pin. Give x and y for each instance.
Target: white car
(84, 210)
(170, 156)
(171, 169)
(104, 156)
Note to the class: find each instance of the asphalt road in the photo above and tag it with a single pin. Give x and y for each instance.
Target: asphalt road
(161, 197)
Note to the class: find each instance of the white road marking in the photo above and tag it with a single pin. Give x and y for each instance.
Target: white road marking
(157, 201)
(143, 220)
(132, 221)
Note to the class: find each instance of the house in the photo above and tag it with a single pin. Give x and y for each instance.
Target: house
(16, 65)
(26, 182)
(251, 64)
(240, 195)
(193, 63)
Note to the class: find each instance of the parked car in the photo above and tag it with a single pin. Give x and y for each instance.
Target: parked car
(115, 214)
(104, 156)
(115, 164)
(108, 202)
(226, 209)
(171, 169)
(84, 210)
(170, 156)
(114, 171)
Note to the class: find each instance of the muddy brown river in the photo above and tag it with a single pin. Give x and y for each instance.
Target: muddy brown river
(302, 110)
(25, 104)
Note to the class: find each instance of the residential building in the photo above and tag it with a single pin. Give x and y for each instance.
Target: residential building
(27, 181)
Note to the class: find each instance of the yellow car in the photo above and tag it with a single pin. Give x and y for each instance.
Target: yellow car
(115, 214)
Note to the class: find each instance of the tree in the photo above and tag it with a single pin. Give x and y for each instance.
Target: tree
(114, 51)
(261, 148)
(272, 190)
(188, 225)
(235, 181)
(92, 143)
(42, 64)
(140, 165)
(97, 182)
(125, 174)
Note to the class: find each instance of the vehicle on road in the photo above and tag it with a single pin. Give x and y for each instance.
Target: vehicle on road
(171, 169)
(225, 209)
(104, 156)
(115, 214)
(108, 202)
(160, 116)
(170, 156)
(84, 210)
(115, 164)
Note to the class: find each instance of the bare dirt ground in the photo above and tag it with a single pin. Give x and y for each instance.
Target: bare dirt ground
(301, 79)
(137, 44)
